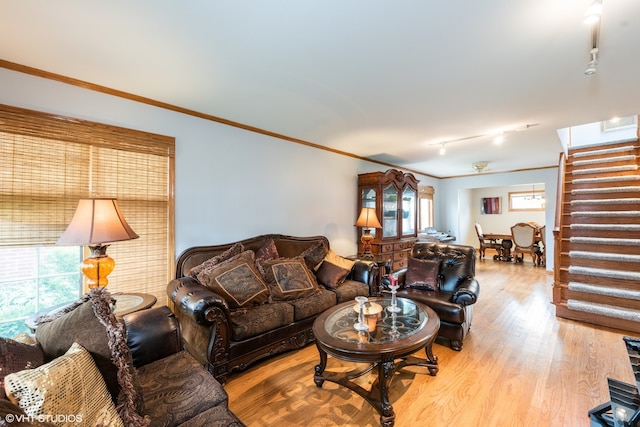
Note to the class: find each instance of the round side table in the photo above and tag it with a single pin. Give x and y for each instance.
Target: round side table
(125, 303)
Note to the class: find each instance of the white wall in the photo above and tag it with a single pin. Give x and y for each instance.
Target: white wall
(230, 183)
(499, 223)
(462, 191)
(233, 184)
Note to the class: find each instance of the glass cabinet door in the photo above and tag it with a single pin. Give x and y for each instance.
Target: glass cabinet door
(389, 212)
(368, 198)
(408, 212)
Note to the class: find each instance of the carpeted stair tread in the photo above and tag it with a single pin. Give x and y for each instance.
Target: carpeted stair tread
(604, 290)
(595, 180)
(603, 151)
(603, 272)
(606, 227)
(606, 213)
(624, 201)
(623, 189)
(604, 256)
(605, 241)
(604, 160)
(604, 310)
(611, 169)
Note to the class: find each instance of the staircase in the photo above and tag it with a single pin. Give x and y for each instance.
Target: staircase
(597, 276)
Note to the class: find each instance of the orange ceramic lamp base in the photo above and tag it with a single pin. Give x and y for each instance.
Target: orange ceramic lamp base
(97, 266)
(366, 240)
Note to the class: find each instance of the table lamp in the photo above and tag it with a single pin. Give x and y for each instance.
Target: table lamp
(367, 220)
(96, 222)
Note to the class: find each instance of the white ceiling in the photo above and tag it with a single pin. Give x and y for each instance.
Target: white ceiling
(376, 78)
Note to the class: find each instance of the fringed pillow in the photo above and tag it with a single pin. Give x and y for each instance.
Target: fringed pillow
(234, 250)
(90, 322)
(237, 280)
(267, 251)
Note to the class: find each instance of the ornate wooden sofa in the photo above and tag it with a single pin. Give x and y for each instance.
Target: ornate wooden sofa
(225, 338)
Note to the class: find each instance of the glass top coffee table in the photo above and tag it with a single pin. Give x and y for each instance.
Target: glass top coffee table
(388, 344)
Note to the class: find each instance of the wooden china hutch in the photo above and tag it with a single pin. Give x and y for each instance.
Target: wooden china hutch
(394, 196)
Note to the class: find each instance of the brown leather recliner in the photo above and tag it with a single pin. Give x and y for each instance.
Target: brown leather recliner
(458, 288)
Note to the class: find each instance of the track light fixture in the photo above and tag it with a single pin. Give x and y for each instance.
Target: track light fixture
(592, 17)
(498, 137)
(594, 12)
(592, 66)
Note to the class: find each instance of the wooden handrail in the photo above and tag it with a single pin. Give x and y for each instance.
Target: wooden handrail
(557, 226)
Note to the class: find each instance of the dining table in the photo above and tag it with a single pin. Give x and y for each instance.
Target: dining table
(506, 240)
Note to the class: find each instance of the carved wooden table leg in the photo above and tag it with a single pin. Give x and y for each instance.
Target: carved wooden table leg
(385, 374)
(319, 369)
(431, 362)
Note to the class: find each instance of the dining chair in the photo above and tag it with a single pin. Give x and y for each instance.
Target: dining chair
(487, 243)
(542, 246)
(524, 240)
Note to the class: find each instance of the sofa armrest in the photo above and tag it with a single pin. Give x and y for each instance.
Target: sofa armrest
(152, 335)
(366, 272)
(195, 300)
(205, 323)
(467, 292)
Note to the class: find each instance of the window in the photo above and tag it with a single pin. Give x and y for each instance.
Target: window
(425, 207)
(33, 278)
(526, 200)
(48, 163)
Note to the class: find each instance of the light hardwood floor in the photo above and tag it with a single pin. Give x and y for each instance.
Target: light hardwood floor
(520, 366)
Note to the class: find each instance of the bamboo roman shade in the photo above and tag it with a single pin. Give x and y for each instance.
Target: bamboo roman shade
(50, 161)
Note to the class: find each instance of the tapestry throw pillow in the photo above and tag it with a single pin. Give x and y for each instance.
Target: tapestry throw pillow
(237, 280)
(336, 259)
(422, 274)
(16, 356)
(330, 275)
(289, 279)
(235, 250)
(68, 391)
(267, 251)
(314, 255)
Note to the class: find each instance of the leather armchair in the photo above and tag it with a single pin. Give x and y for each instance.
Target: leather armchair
(458, 289)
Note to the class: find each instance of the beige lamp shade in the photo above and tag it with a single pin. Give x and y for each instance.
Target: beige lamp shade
(97, 221)
(368, 219)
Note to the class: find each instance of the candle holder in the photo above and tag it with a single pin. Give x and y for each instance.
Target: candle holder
(361, 324)
(393, 285)
(394, 326)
